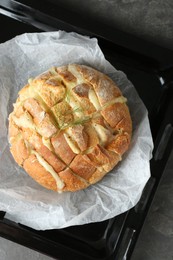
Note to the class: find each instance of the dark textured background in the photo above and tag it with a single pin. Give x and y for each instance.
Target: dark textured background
(148, 19)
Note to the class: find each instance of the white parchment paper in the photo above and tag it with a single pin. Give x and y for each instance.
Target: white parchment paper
(23, 199)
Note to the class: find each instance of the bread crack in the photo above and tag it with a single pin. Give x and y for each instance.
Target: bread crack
(46, 108)
(79, 177)
(49, 168)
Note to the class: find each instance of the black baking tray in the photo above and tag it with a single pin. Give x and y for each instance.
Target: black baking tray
(150, 69)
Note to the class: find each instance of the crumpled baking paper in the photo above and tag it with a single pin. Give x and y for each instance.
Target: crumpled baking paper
(24, 200)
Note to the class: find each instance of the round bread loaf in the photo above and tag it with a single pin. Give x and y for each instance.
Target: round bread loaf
(69, 127)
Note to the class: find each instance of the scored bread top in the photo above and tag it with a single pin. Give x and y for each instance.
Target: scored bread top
(69, 127)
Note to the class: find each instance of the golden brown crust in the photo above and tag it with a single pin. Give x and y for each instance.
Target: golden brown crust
(97, 176)
(101, 157)
(63, 113)
(79, 136)
(119, 144)
(50, 88)
(81, 92)
(62, 149)
(35, 140)
(82, 167)
(73, 183)
(38, 173)
(13, 130)
(115, 114)
(40, 117)
(70, 126)
(66, 75)
(93, 138)
(19, 150)
(104, 87)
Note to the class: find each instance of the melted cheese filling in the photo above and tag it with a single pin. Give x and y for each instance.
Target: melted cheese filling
(93, 99)
(25, 121)
(103, 133)
(70, 142)
(78, 76)
(120, 99)
(75, 106)
(47, 143)
(48, 167)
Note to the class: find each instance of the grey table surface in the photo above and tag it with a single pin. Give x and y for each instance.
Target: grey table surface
(148, 19)
(156, 239)
(151, 20)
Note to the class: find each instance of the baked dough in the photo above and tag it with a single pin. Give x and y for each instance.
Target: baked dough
(69, 127)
